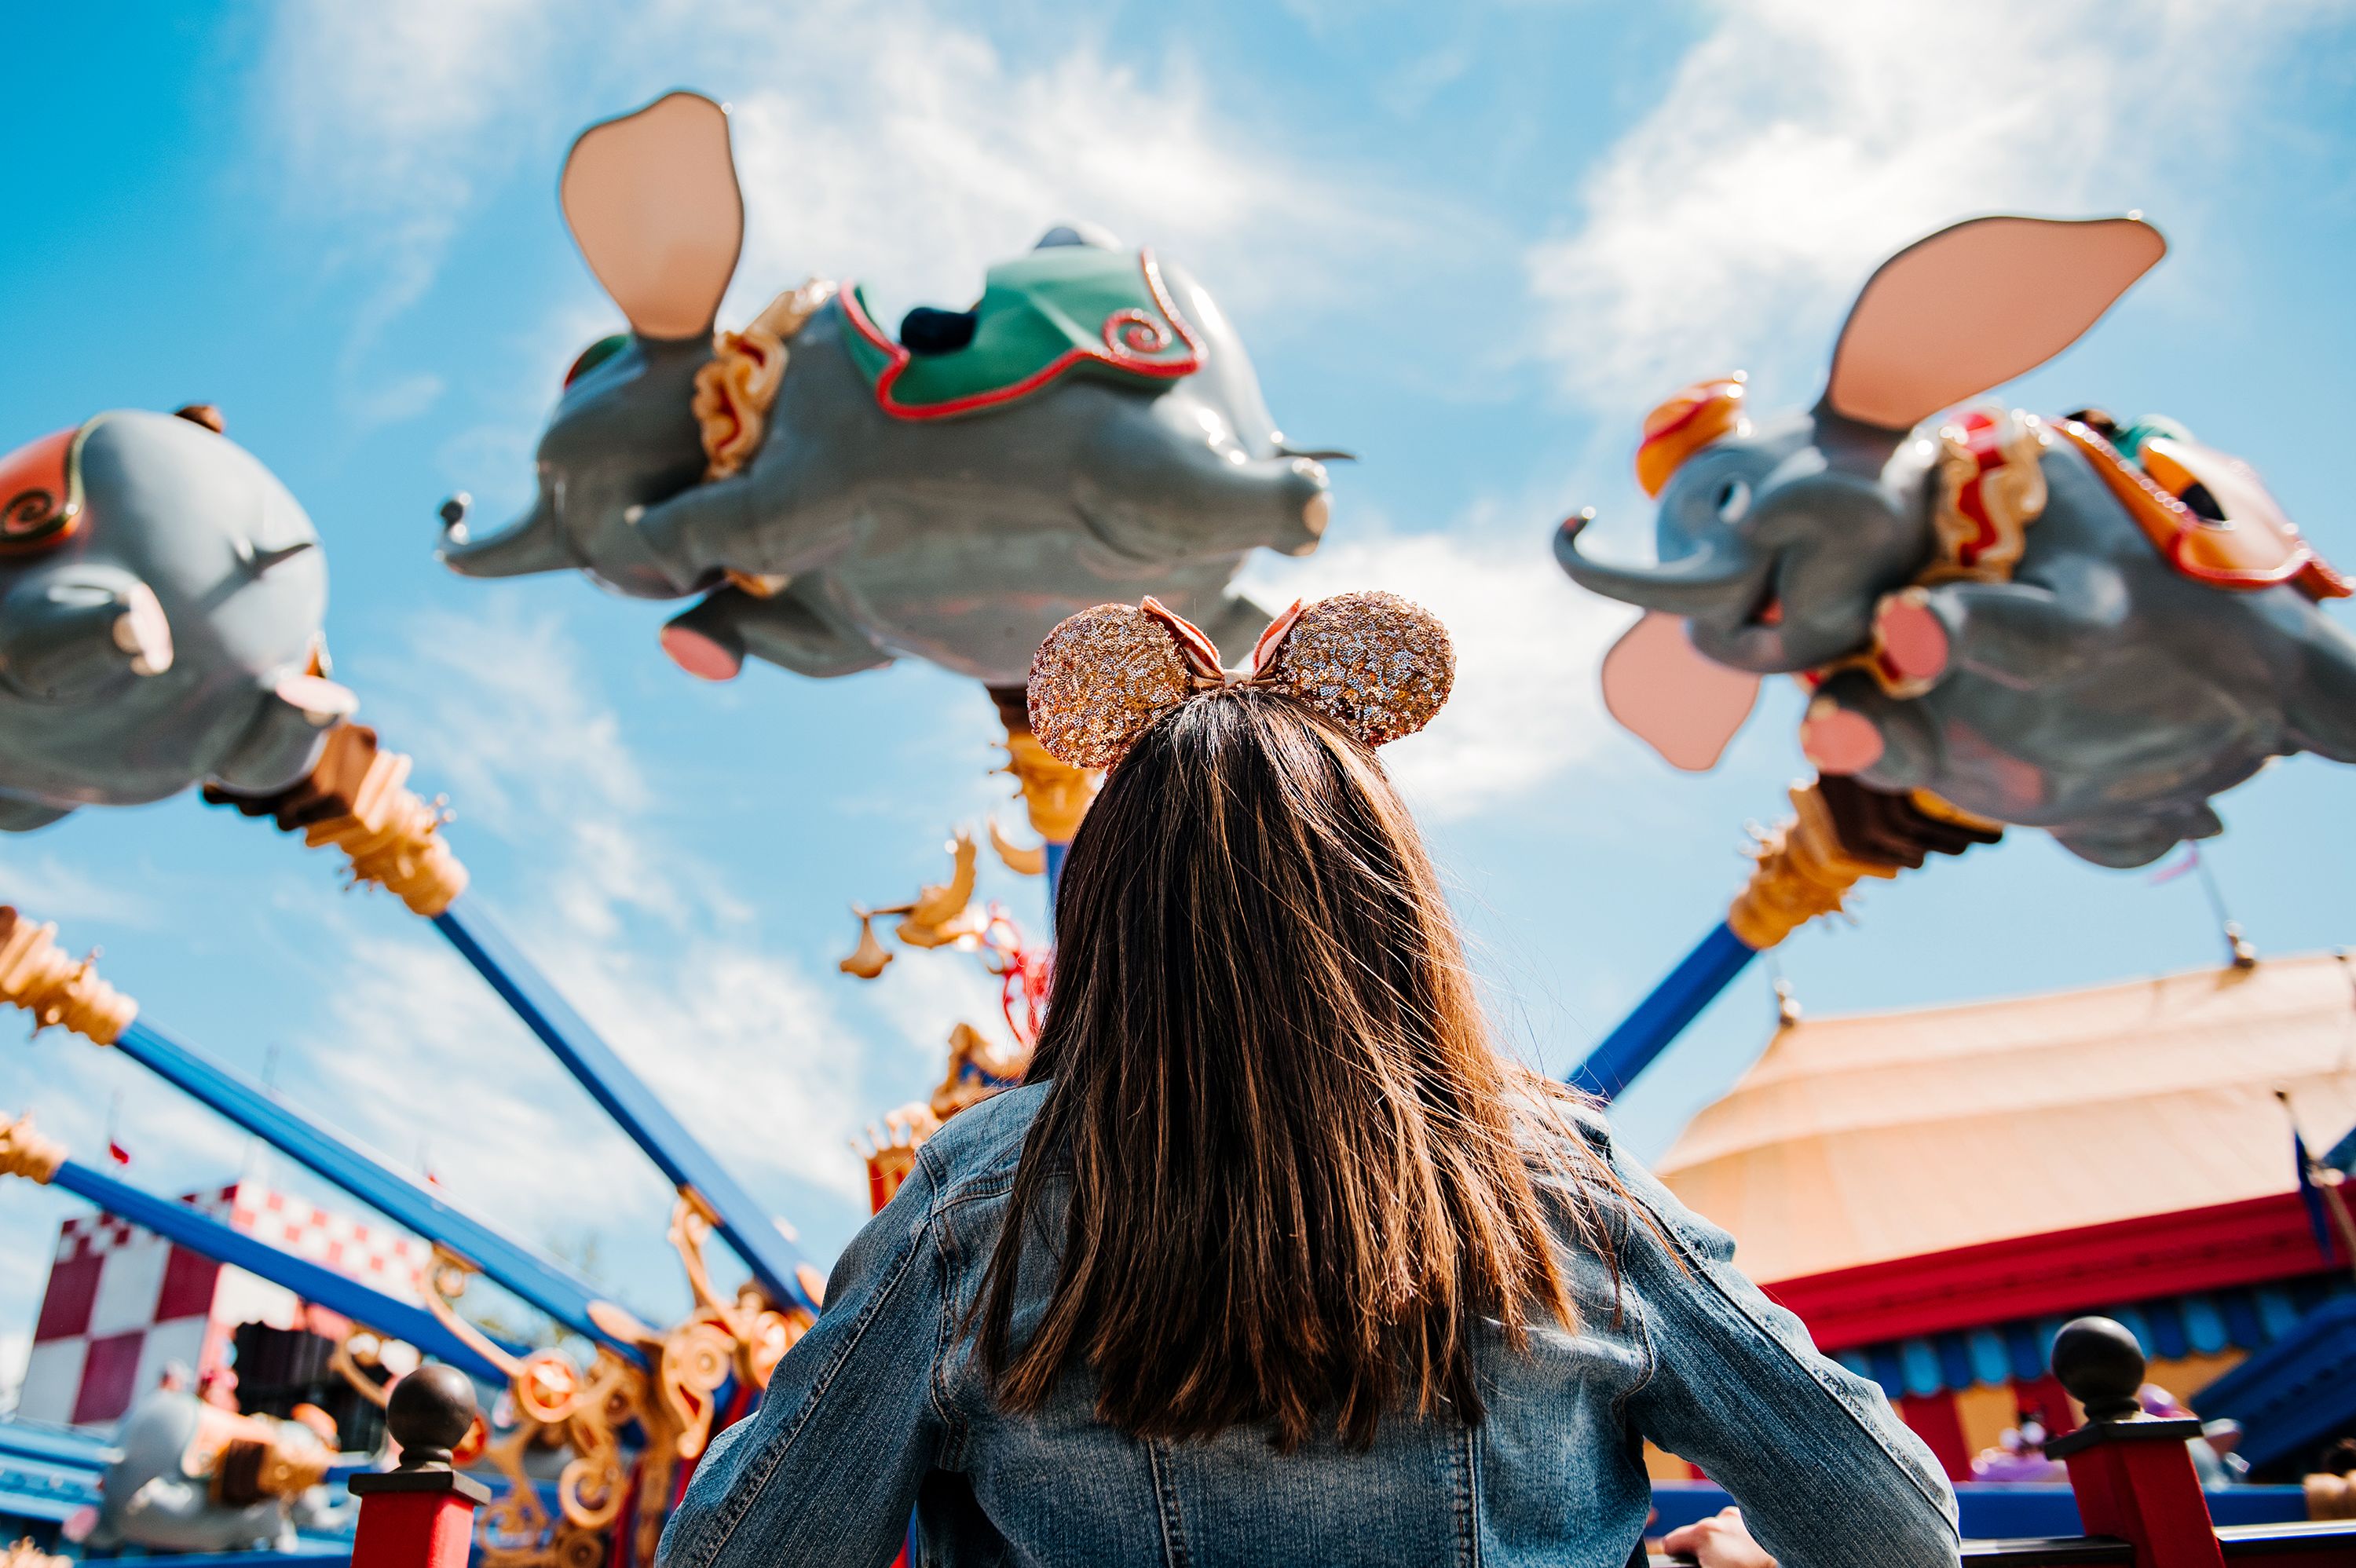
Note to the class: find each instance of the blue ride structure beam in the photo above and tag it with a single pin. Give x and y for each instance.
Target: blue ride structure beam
(1841, 833)
(747, 1225)
(203, 1235)
(1658, 1021)
(547, 1285)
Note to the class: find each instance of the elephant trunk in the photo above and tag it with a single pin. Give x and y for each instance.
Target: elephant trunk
(1709, 580)
(531, 543)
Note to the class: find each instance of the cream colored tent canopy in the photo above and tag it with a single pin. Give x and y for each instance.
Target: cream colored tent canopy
(1856, 1140)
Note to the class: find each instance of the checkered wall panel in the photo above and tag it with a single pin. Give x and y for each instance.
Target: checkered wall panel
(124, 1305)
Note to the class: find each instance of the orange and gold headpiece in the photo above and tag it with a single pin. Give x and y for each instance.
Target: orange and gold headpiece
(1373, 663)
(1684, 424)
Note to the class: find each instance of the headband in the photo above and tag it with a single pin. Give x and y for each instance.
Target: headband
(1372, 663)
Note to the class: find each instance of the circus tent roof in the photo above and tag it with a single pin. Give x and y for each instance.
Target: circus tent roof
(1860, 1139)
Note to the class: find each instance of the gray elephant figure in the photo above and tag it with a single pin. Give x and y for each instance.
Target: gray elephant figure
(2062, 623)
(1090, 431)
(188, 1476)
(160, 604)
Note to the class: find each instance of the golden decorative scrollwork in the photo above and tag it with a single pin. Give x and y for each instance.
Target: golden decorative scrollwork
(393, 839)
(756, 1332)
(674, 1408)
(870, 957)
(1055, 794)
(942, 914)
(353, 1357)
(978, 1068)
(356, 798)
(736, 388)
(1801, 872)
(25, 1152)
(442, 1282)
(36, 975)
(23, 1553)
(1023, 859)
(512, 1532)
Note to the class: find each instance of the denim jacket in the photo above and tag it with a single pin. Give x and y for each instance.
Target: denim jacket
(883, 1407)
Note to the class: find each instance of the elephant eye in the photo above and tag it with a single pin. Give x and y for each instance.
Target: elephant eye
(1733, 501)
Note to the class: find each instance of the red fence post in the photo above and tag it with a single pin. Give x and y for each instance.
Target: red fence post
(421, 1515)
(2132, 1474)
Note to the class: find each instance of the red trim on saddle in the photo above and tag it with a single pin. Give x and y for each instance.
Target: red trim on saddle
(1123, 350)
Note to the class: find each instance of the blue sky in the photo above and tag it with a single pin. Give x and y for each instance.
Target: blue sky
(1474, 243)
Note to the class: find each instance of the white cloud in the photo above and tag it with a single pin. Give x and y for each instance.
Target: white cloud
(916, 153)
(895, 141)
(1525, 706)
(377, 102)
(1802, 140)
(649, 944)
(378, 113)
(50, 889)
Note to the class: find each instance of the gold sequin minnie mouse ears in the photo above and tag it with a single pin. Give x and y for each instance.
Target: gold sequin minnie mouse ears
(1373, 663)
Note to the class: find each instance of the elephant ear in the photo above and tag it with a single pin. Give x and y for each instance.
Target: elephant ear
(1977, 305)
(1662, 689)
(652, 201)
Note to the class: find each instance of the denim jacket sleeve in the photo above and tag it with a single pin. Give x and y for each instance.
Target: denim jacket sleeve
(828, 1469)
(1826, 1476)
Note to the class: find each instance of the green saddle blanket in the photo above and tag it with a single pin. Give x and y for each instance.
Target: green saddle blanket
(1046, 314)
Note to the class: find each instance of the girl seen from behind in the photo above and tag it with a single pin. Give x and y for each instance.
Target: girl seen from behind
(1274, 1257)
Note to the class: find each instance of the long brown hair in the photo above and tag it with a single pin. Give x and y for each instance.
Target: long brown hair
(1298, 1164)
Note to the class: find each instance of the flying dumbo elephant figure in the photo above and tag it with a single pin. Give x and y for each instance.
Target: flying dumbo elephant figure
(190, 1477)
(160, 604)
(2064, 623)
(1091, 430)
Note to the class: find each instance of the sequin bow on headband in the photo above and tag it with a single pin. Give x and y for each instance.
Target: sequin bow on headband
(1373, 663)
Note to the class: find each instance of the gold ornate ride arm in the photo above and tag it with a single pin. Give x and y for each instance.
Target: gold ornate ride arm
(36, 975)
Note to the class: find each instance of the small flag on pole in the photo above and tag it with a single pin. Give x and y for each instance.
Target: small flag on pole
(115, 1150)
(2310, 1196)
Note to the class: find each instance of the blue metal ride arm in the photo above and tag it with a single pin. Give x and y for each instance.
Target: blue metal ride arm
(1661, 1016)
(546, 1284)
(202, 1234)
(748, 1227)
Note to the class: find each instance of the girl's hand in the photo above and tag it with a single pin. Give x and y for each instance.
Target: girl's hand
(1717, 1542)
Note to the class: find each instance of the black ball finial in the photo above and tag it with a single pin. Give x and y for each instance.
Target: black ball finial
(428, 1414)
(2099, 1361)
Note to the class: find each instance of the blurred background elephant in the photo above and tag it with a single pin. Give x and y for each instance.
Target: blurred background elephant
(160, 603)
(190, 1477)
(2069, 623)
(838, 496)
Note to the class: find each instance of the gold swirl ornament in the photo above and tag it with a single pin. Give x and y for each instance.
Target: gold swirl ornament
(58, 991)
(1801, 872)
(1055, 794)
(25, 1152)
(737, 386)
(356, 799)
